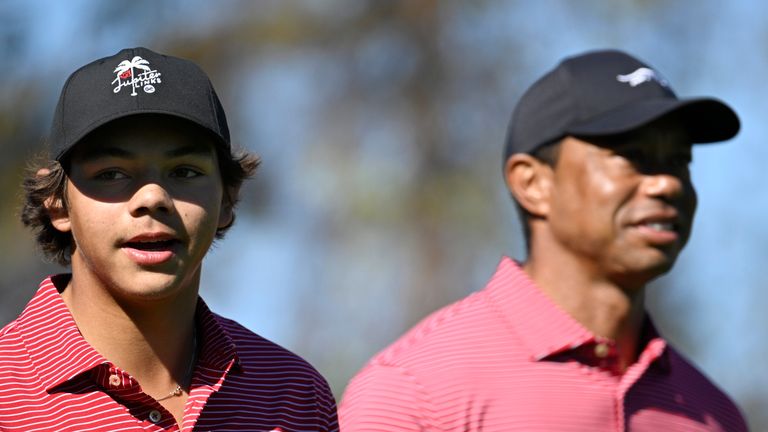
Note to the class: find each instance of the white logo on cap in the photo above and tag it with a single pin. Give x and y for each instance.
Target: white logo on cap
(640, 76)
(127, 78)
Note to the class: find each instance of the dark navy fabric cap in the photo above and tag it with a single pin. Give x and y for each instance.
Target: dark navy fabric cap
(134, 81)
(604, 93)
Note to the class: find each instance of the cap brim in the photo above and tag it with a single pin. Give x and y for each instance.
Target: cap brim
(706, 120)
(103, 121)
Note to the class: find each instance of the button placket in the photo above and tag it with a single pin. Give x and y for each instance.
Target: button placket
(155, 416)
(114, 380)
(602, 350)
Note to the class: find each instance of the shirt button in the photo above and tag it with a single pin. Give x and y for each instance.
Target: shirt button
(155, 416)
(114, 380)
(601, 350)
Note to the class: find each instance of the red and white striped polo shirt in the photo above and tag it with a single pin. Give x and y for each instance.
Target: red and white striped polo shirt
(508, 359)
(51, 379)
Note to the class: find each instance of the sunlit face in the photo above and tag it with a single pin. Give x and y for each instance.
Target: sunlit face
(144, 201)
(624, 208)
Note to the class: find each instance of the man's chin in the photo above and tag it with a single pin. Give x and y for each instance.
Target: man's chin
(640, 271)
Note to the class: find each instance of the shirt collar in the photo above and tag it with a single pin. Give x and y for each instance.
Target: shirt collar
(542, 326)
(59, 352)
(218, 349)
(55, 345)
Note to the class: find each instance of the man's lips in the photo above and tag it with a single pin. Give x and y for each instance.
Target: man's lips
(158, 245)
(662, 228)
(151, 248)
(659, 225)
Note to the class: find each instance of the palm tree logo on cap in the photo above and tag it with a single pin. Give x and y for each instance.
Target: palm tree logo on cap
(126, 76)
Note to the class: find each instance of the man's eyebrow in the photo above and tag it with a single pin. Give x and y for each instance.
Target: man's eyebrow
(105, 151)
(119, 152)
(196, 149)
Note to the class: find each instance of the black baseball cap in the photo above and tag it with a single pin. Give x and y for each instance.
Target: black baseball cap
(604, 93)
(135, 81)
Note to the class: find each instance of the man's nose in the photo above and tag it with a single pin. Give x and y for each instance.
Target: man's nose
(150, 198)
(666, 185)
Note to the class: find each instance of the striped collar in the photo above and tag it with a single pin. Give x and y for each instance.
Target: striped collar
(544, 328)
(60, 353)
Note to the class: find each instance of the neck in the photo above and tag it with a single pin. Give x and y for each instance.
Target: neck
(602, 306)
(151, 340)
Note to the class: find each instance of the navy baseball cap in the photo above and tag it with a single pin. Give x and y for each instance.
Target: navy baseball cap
(604, 93)
(135, 81)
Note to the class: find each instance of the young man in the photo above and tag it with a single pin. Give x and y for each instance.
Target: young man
(143, 180)
(597, 160)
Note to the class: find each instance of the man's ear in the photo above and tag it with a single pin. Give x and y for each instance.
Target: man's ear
(227, 211)
(55, 208)
(529, 180)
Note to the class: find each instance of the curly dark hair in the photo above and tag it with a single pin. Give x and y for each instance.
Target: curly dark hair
(40, 192)
(45, 184)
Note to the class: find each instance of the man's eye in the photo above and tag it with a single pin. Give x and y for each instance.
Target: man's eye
(110, 175)
(634, 156)
(644, 160)
(186, 172)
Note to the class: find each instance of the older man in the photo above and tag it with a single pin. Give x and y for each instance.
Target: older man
(597, 161)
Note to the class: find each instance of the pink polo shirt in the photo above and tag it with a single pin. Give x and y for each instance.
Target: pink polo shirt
(51, 379)
(508, 359)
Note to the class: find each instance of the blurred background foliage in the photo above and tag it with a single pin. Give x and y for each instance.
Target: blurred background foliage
(381, 125)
